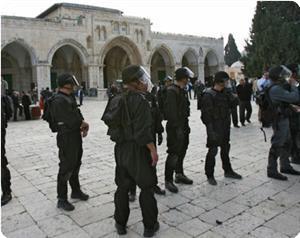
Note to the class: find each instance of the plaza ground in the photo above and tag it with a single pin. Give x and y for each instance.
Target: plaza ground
(253, 207)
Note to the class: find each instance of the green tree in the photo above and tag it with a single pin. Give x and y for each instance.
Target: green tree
(274, 37)
(232, 53)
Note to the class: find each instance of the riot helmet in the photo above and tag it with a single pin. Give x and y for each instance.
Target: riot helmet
(65, 79)
(137, 73)
(183, 73)
(280, 73)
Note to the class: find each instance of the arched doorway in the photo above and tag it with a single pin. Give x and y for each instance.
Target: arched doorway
(115, 56)
(190, 60)
(211, 66)
(66, 59)
(115, 61)
(162, 64)
(16, 67)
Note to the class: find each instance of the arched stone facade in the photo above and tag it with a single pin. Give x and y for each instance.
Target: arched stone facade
(95, 44)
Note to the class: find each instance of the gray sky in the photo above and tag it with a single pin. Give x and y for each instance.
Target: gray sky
(214, 18)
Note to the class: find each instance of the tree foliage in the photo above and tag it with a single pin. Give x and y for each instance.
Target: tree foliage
(274, 37)
(232, 53)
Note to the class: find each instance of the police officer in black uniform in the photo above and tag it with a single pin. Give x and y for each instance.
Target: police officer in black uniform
(281, 95)
(295, 121)
(157, 129)
(71, 128)
(162, 93)
(177, 112)
(136, 155)
(216, 107)
(6, 113)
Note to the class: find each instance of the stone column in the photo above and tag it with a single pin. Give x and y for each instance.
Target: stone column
(101, 76)
(41, 75)
(201, 72)
(93, 76)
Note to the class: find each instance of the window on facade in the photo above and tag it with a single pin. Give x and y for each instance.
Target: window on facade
(148, 45)
(141, 36)
(89, 42)
(124, 28)
(116, 28)
(103, 33)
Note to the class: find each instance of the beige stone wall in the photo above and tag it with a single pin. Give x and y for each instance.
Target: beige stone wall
(92, 34)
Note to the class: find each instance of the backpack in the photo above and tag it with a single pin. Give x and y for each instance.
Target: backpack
(47, 115)
(267, 109)
(116, 117)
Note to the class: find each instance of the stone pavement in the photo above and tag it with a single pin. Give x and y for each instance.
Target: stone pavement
(253, 207)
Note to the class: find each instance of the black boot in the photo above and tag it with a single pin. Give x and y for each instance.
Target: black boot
(80, 195)
(181, 178)
(290, 171)
(211, 180)
(151, 232)
(6, 197)
(121, 230)
(232, 174)
(171, 187)
(65, 205)
(158, 190)
(276, 175)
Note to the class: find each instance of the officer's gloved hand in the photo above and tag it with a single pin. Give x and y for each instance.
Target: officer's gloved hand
(159, 139)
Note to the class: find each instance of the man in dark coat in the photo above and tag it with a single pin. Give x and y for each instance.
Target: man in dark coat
(6, 113)
(26, 102)
(244, 92)
(71, 127)
(177, 112)
(136, 154)
(216, 108)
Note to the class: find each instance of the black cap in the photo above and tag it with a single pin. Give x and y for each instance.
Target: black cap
(131, 73)
(183, 73)
(221, 77)
(65, 79)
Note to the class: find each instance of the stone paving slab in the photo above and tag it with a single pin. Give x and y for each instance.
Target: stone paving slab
(254, 207)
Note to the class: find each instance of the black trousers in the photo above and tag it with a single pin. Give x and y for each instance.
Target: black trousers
(211, 159)
(245, 106)
(16, 111)
(5, 173)
(234, 115)
(70, 153)
(177, 148)
(147, 200)
(27, 112)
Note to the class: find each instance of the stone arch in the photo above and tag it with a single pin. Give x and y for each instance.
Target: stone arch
(17, 61)
(80, 49)
(162, 63)
(190, 59)
(68, 57)
(115, 56)
(211, 66)
(23, 43)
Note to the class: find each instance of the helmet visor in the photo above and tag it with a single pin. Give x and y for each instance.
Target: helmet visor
(190, 73)
(145, 79)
